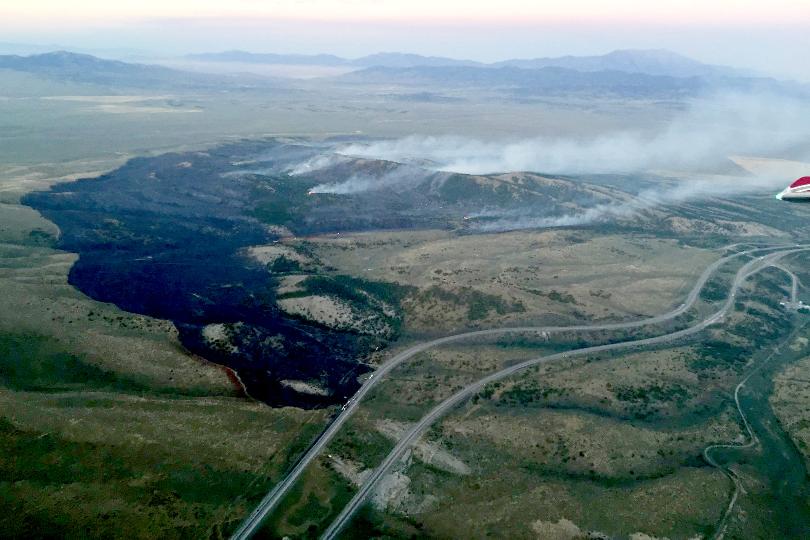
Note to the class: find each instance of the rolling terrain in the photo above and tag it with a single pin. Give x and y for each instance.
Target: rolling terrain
(325, 270)
(154, 223)
(197, 276)
(295, 329)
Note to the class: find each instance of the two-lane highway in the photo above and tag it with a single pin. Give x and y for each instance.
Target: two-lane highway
(413, 434)
(272, 499)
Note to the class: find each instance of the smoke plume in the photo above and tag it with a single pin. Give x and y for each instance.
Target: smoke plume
(704, 135)
(699, 139)
(673, 192)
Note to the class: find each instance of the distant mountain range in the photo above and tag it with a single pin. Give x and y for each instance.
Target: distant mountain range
(119, 53)
(517, 82)
(632, 74)
(650, 62)
(640, 73)
(87, 69)
(551, 81)
(399, 60)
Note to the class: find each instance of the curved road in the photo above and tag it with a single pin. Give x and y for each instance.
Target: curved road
(409, 438)
(252, 523)
(720, 532)
(752, 440)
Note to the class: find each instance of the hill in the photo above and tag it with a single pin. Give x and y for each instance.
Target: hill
(549, 80)
(557, 81)
(66, 66)
(143, 244)
(387, 59)
(403, 60)
(648, 61)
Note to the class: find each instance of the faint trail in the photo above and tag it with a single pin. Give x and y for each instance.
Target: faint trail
(752, 441)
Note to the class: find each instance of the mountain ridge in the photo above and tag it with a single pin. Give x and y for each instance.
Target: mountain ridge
(646, 61)
(89, 69)
(527, 83)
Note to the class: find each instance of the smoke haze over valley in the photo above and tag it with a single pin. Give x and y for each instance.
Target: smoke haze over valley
(690, 158)
(702, 137)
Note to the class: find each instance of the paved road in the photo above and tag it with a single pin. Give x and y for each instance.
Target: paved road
(272, 499)
(411, 436)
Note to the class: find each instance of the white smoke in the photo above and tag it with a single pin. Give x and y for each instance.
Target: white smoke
(512, 221)
(355, 184)
(399, 178)
(706, 133)
(677, 191)
(703, 136)
(316, 163)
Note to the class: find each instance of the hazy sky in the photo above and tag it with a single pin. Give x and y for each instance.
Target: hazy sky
(690, 11)
(772, 35)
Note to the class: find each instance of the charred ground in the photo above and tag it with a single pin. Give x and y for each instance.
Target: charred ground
(201, 239)
(169, 236)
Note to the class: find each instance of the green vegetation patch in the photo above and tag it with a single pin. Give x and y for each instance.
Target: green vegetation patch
(716, 354)
(529, 393)
(38, 237)
(651, 393)
(43, 477)
(364, 296)
(361, 444)
(562, 297)
(459, 187)
(310, 506)
(714, 290)
(479, 304)
(358, 291)
(284, 265)
(280, 201)
(36, 363)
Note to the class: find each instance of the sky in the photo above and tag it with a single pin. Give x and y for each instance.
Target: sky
(690, 11)
(766, 35)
